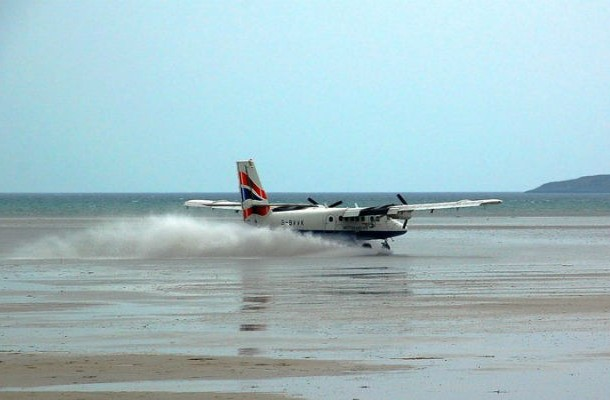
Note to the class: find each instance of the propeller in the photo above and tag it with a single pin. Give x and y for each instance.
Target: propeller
(403, 201)
(315, 203)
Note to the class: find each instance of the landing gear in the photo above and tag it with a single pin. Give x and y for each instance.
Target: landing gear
(383, 250)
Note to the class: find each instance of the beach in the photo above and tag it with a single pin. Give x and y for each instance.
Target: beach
(313, 200)
(464, 308)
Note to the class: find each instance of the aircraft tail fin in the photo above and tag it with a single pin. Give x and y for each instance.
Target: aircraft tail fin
(254, 199)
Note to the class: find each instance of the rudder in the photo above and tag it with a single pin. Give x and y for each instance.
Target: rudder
(254, 199)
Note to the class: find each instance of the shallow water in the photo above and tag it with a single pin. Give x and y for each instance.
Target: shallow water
(481, 307)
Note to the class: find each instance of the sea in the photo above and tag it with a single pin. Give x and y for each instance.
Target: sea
(78, 205)
(508, 301)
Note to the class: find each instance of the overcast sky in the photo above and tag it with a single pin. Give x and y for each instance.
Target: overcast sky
(132, 96)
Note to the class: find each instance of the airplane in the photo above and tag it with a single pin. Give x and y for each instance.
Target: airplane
(356, 224)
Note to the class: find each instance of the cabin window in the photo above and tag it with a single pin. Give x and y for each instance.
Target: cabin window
(330, 219)
(340, 217)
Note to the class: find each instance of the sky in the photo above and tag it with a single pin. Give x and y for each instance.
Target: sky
(341, 96)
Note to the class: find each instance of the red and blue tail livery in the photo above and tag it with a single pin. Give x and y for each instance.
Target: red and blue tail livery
(254, 199)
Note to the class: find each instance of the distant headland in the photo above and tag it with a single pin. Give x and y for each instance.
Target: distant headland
(585, 184)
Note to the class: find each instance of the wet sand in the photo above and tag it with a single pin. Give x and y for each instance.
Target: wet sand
(463, 309)
(44, 369)
(140, 395)
(31, 370)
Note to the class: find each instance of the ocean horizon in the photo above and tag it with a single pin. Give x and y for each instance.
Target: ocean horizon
(515, 204)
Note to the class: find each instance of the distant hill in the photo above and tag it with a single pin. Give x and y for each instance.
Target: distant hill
(585, 184)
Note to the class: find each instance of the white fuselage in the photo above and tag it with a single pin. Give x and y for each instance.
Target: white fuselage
(332, 221)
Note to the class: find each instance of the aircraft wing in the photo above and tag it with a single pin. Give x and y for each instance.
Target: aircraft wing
(449, 204)
(236, 205)
(399, 209)
(214, 204)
